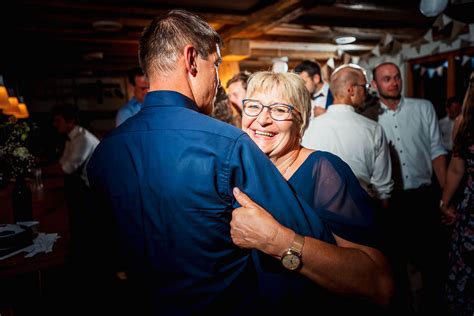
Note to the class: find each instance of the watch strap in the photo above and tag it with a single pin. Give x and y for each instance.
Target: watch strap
(297, 245)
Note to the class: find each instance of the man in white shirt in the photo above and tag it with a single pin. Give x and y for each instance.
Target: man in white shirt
(80, 145)
(360, 142)
(453, 109)
(412, 129)
(321, 96)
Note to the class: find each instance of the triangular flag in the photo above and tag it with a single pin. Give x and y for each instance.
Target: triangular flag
(457, 28)
(429, 36)
(330, 63)
(376, 51)
(346, 58)
(465, 59)
(439, 22)
(416, 66)
(431, 72)
(439, 70)
(435, 51)
(325, 71)
(388, 39)
(446, 19)
(397, 47)
(340, 51)
(445, 64)
(355, 59)
(422, 71)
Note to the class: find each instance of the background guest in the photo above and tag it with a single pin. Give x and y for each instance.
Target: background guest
(459, 289)
(412, 129)
(321, 96)
(236, 88)
(453, 109)
(140, 86)
(360, 142)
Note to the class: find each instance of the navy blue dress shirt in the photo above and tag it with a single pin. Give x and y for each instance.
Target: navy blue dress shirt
(166, 175)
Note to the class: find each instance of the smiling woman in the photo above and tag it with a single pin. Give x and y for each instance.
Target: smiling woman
(341, 202)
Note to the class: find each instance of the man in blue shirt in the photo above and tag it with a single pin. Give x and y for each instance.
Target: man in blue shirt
(140, 87)
(166, 176)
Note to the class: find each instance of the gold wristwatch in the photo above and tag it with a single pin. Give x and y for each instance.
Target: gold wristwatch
(291, 259)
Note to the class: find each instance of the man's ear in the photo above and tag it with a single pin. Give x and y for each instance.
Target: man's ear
(190, 56)
(374, 84)
(317, 79)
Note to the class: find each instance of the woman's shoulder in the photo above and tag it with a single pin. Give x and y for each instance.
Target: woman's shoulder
(319, 155)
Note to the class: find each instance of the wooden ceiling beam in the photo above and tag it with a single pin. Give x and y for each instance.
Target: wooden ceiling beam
(402, 33)
(127, 11)
(258, 22)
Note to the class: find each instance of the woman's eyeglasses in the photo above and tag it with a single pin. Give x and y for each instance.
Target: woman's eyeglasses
(278, 111)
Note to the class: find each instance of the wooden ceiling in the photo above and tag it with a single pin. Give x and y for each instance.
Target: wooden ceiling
(57, 38)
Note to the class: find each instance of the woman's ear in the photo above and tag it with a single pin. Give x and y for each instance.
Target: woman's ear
(190, 55)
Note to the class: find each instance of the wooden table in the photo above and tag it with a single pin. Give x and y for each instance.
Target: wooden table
(49, 208)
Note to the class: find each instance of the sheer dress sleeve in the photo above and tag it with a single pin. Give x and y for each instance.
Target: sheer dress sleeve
(328, 184)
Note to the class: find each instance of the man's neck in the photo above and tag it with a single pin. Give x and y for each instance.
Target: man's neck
(392, 104)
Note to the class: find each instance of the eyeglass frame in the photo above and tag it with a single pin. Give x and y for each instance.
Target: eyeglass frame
(289, 106)
(365, 85)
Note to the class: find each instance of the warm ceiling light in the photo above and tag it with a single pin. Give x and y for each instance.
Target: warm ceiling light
(13, 109)
(345, 40)
(4, 103)
(107, 26)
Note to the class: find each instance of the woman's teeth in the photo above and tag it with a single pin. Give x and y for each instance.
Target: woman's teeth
(268, 134)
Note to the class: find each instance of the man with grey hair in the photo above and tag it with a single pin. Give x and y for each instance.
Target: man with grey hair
(360, 142)
(167, 178)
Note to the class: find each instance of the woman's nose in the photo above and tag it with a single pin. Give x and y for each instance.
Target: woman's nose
(264, 117)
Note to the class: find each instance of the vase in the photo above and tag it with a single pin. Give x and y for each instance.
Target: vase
(22, 201)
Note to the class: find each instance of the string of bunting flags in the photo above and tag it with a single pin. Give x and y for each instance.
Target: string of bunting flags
(446, 34)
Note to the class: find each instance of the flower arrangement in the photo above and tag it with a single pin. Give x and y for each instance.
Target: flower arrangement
(15, 157)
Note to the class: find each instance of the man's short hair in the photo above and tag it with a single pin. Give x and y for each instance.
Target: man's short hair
(374, 71)
(311, 67)
(70, 112)
(134, 72)
(164, 38)
(242, 76)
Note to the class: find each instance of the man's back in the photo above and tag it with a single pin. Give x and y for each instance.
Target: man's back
(169, 186)
(358, 141)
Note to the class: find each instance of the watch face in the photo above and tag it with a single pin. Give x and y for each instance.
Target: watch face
(291, 261)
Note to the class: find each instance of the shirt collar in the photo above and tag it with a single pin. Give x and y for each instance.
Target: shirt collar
(322, 92)
(168, 98)
(341, 108)
(73, 132)
(385, 108)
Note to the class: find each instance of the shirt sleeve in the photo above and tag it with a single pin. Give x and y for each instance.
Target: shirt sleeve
(253, 173)
(341, 202)
(382, 176)
(436, 145)
(77, 154)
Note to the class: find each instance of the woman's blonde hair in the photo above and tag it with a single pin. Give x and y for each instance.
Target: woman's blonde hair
(290, 87)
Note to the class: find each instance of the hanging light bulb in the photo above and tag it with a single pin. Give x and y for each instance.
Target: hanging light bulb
(13, 108)
(280, 64)
(431, 8)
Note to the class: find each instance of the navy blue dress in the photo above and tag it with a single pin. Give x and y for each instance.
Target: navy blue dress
(328, 184)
